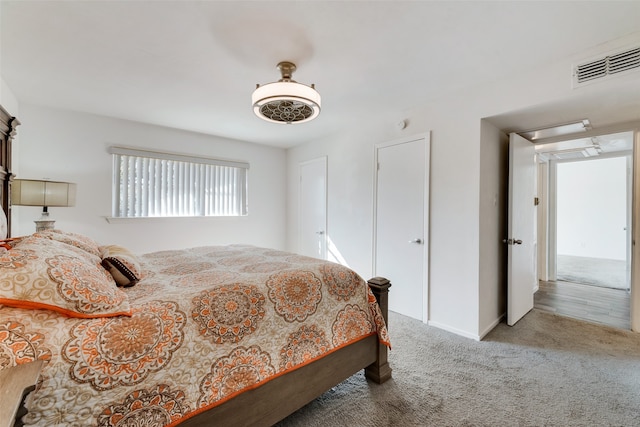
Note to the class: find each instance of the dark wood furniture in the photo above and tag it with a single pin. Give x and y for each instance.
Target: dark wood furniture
(8, 125)
(283, 395)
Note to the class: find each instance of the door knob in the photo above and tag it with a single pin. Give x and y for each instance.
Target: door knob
(416, 241)
(512, 241)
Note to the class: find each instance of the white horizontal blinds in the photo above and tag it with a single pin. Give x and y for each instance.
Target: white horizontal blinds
(173, 185)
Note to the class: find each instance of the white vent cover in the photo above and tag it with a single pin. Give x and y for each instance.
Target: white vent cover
(607, 66)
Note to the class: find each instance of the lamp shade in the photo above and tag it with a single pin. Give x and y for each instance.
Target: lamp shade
(29, 192)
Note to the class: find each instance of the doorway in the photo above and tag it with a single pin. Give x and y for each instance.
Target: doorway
(584, 223)
(593, 198)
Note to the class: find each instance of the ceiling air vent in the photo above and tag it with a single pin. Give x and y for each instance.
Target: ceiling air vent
(607, 66)
(624, 61)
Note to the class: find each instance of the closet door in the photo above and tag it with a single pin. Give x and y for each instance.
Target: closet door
(401, 233)
(313, 208)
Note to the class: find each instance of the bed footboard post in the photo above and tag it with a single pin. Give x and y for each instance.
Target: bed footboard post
(380, 371)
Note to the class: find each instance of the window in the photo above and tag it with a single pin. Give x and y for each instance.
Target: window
(152, 184)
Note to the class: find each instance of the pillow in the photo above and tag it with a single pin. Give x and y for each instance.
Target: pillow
(40, 273)
(123, 265)
(78, 240)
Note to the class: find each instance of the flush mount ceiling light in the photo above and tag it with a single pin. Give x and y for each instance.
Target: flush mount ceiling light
(286, 101)
(560, 130)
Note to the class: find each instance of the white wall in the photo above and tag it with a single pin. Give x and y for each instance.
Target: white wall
(350, 196)
(8, 99)
(455, 172)
(592, 208)
(70, 146)
(465, 177)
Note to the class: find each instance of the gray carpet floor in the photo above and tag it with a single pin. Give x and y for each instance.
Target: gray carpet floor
(546, 370)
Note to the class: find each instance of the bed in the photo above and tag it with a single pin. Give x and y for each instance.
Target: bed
(216, 335)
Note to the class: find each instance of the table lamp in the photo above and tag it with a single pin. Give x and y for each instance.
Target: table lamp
(31, 192)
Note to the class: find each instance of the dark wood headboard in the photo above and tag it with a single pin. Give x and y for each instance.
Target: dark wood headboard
(8, 125)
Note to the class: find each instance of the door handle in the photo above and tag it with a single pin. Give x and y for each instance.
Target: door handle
(320, 232)
(512, 241)
(416, 241)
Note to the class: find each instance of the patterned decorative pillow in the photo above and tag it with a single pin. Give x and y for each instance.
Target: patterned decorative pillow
(74, 239)
(40, 273)
(123, 265)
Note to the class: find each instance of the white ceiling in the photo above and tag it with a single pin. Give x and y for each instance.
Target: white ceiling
(193, 64)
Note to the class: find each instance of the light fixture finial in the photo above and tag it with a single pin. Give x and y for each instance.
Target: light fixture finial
(286, 70)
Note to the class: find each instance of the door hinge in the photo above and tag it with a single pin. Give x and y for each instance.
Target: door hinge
(536, 201)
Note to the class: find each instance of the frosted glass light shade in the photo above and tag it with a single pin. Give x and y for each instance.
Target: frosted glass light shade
(559, 130)
(286, 102)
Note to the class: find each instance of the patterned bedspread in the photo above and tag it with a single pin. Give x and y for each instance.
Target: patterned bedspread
(207, 323)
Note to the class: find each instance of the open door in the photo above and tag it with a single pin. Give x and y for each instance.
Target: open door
(521, 274)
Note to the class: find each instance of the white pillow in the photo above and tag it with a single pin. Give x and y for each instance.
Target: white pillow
(3, 225)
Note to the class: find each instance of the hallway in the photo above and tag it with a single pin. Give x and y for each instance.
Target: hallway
(607, 306)
(584, 228)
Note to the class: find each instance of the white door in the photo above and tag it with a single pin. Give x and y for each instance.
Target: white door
(400, 227)
(313, 208)
(521, 279)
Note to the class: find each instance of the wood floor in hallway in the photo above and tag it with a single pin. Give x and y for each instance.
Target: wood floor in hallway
(605, 306)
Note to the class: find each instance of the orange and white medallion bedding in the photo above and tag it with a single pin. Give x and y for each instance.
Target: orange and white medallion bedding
(200, 326)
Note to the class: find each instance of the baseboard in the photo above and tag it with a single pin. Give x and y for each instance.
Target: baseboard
(453, 330)
(466, 334)
(492, 325)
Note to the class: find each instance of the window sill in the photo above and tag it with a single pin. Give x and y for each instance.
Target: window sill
(123, 220)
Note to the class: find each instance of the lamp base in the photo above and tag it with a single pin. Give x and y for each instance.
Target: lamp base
(45, 222)
(42, 225)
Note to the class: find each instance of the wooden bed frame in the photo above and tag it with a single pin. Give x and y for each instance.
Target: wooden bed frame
(280, 397)
(8, 125)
